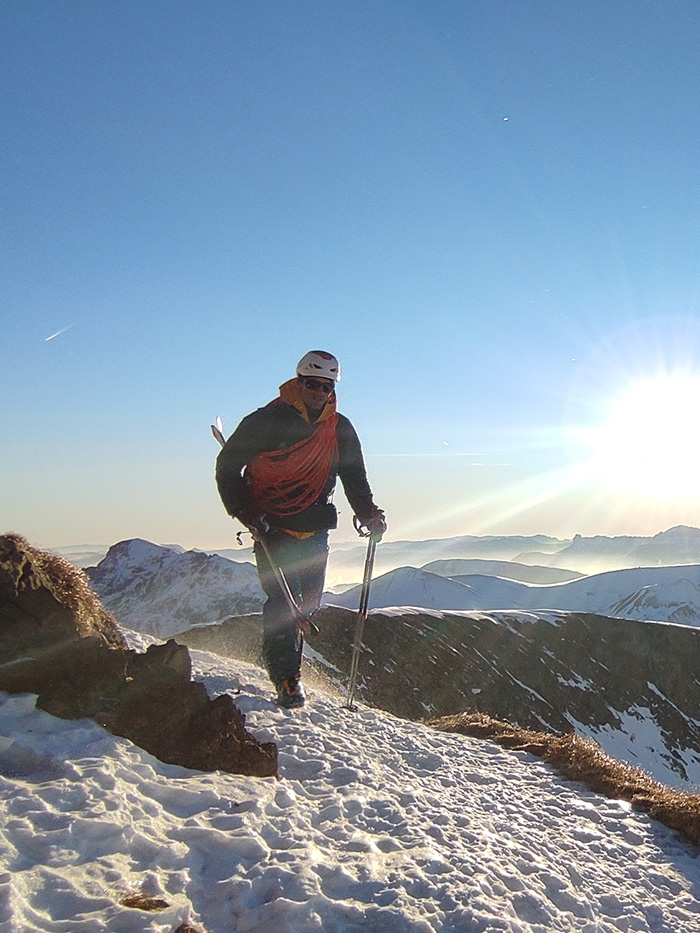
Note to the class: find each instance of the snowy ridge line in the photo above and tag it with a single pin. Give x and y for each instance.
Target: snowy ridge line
(661, 594)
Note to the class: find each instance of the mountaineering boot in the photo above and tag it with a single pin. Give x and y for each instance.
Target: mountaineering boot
(290, 693)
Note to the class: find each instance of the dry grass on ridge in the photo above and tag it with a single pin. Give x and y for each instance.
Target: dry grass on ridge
(68, 584)
(583, 760)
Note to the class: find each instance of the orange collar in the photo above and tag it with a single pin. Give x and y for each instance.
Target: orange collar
(289, 393)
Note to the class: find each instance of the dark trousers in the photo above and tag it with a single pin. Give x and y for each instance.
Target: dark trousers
(303, 563)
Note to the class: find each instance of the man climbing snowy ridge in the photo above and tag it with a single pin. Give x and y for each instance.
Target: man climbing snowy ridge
(276, 474)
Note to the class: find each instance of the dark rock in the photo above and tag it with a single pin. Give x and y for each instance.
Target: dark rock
(233, 637)
(58, 642)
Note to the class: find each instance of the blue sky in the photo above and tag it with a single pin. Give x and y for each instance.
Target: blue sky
(488, 210)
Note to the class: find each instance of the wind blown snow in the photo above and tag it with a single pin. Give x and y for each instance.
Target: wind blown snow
(375, 824)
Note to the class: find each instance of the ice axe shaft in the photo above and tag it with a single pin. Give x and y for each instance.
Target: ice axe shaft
(361, 618)
(304, 625)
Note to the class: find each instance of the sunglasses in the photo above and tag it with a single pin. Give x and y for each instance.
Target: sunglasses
(315, 386)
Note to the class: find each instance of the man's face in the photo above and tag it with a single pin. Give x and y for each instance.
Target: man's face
(314, 392)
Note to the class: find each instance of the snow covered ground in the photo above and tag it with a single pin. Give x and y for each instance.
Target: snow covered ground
(376, 824)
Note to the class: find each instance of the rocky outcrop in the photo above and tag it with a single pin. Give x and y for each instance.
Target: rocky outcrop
(58, 642)
(46, 603)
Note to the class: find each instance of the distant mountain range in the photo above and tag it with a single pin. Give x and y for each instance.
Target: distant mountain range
(665, 594)
(579, 555)
(163, 590)
(678, 545)
(510, 570)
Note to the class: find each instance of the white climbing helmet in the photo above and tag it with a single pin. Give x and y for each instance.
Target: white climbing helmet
(319, 363)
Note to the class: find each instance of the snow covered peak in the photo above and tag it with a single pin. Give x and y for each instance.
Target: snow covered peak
(163, 591)
(408, 586)
(136, 550)
(663, 594)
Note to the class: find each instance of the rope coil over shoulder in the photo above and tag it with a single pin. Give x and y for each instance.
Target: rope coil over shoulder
(285, 482)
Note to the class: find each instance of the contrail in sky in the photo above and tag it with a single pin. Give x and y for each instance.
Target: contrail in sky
(59, 332)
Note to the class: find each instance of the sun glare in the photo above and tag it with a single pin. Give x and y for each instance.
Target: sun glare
(650, 443)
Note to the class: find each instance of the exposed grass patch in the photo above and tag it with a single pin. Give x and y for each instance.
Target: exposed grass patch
(68, 584)
(140, 901)
(137, 900)
(584, 760)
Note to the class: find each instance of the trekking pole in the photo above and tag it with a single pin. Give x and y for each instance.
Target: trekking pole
(361, 616)
(303, 624)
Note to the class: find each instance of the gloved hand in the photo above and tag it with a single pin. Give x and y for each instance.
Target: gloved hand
(372, 525)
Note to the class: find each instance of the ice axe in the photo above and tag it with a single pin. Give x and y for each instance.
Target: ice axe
(362, 609)
(304, 625)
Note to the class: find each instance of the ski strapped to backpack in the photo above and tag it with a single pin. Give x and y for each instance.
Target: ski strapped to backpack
(217, 430)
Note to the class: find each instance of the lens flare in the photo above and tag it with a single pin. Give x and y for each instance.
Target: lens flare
(650, 442)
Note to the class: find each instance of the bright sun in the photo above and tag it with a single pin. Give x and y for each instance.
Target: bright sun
(651, 443)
